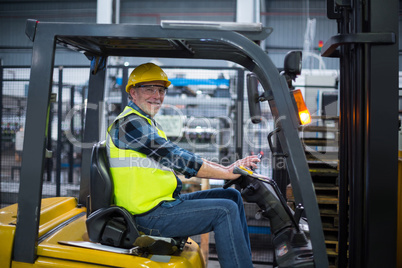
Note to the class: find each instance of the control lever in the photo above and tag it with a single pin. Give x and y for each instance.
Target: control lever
(242, 171)
(298, 212)
(259, 157)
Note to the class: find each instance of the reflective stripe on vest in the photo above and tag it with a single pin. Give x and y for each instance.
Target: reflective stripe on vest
(136, 161)
(140, 183)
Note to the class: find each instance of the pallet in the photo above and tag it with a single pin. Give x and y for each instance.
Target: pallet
(332, 247)
(327, 198)
(322, 157)
(313, 128)
(320, 142)
(324, 177)
(325, 192)
(324, 172)
(333, 261)
(329, 221)
(328, 208)
(325, 155)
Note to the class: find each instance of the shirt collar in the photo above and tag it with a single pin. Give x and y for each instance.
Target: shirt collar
(138, 109)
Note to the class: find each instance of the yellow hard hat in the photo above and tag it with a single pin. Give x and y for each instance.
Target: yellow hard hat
(147, 72)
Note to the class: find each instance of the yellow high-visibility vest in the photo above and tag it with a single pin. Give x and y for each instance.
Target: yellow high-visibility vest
(140, 183)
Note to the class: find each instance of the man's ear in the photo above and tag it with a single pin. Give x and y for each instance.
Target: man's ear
(133, 93)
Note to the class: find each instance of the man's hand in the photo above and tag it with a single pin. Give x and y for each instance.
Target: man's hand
(248, 162)
(213, 170)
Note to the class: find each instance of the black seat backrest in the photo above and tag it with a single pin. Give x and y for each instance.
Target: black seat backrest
(101, 184)
(107, 224)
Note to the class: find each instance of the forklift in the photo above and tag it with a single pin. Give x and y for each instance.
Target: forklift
(58, 232)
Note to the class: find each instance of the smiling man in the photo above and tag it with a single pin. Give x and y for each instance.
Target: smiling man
(142, 87)
(144, 162)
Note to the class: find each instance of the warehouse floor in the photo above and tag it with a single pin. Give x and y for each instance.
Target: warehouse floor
(261, 248)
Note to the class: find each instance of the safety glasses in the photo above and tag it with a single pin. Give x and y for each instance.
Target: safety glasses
(152, 89)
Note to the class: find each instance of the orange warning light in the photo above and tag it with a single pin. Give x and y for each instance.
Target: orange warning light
(304, 114)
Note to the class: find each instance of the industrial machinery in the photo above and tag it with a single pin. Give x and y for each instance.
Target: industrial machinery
(41, 233)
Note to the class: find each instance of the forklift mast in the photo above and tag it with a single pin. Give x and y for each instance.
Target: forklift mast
(367, 48)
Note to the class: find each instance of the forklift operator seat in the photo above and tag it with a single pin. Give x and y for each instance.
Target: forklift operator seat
(111, 225)
(107, 224)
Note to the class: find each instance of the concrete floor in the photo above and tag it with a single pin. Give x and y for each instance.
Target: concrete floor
(261, 248)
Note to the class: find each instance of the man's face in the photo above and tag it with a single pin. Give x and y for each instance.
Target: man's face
(148, 102)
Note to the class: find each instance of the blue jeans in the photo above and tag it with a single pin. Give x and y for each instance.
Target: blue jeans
(219, 210)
